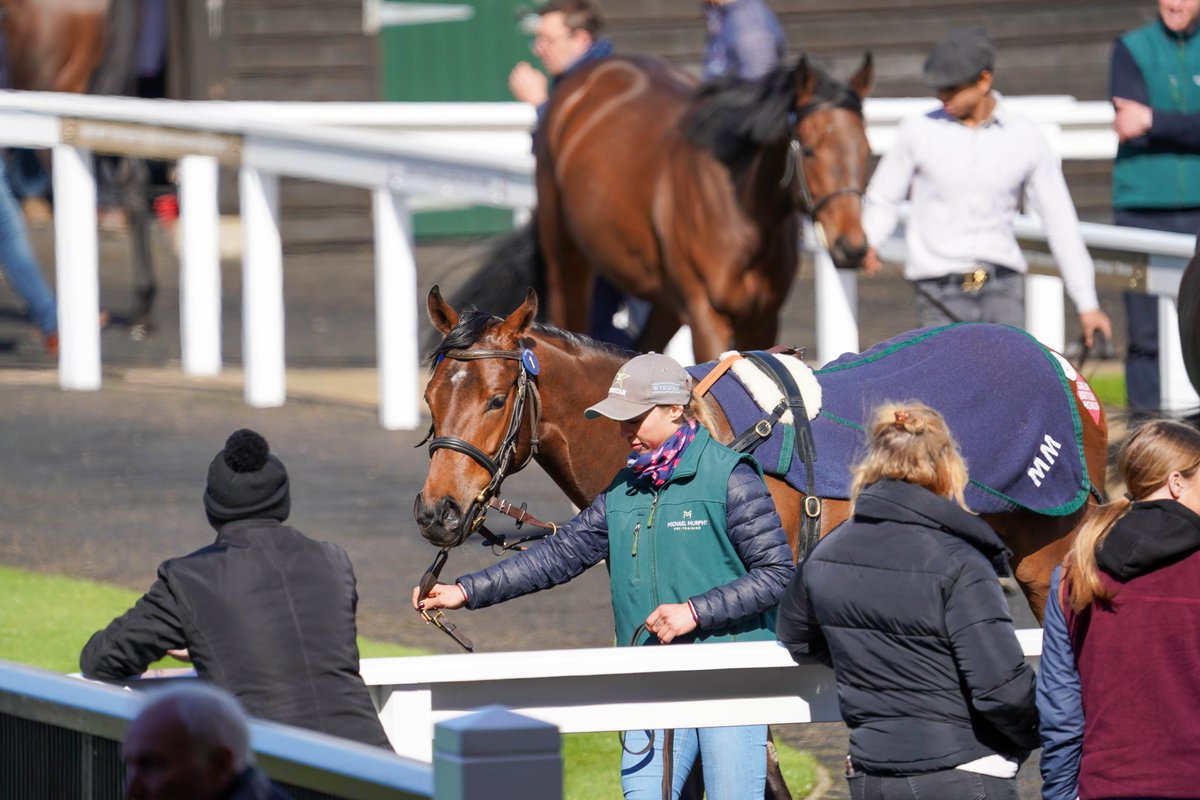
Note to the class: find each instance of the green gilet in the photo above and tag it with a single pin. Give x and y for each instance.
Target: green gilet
(1160, 177)
(670, 544)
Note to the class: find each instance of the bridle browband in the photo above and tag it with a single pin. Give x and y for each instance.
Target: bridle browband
(793, 170)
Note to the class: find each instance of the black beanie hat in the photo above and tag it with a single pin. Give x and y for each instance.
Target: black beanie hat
(246, 482)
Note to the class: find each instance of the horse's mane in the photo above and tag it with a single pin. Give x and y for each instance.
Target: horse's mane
(732, 117)
(473, 324)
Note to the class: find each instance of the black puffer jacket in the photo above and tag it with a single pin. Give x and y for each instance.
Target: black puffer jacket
(902, 600)
(265, 612)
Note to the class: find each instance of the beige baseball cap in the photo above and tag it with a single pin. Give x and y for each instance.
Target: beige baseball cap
(641, 384)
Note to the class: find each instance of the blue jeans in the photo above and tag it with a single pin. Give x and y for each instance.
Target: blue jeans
(20, 264)
(734, 762)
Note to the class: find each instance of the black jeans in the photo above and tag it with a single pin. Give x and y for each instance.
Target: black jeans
(948, 784)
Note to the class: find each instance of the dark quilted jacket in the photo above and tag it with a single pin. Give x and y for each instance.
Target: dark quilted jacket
(903, 601)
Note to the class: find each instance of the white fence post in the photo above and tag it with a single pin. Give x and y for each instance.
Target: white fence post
(836, 305)
(262, 289)
(495, 754)
(397, 309)
(200, 266)
(77, 269)
(1045, 310)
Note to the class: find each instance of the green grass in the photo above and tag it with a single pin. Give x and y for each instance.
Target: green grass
(1109, 388)
(46, 619)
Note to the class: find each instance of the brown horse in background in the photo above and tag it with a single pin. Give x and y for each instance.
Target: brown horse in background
(87, 46)
(474, 400)
(690, 198)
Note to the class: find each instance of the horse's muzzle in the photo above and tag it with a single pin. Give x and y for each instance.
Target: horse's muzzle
(441, 522)
(847, 254)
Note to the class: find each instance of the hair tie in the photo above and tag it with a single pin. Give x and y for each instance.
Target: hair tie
(901, 418)
(1129, 497)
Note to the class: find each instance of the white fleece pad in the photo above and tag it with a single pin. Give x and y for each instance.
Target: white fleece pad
(764, 391)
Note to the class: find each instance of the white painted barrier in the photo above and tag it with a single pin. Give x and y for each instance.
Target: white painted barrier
(680, 686)
(409, 156)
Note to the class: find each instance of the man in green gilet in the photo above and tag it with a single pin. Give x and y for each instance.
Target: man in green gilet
(1155, 83)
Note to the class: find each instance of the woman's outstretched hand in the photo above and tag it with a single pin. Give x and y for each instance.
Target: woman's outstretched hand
(442, 595)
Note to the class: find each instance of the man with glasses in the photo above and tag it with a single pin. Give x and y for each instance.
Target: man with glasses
(567, 35)
(968, 164)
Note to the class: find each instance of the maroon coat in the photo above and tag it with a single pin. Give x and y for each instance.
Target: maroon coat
(1139, 659)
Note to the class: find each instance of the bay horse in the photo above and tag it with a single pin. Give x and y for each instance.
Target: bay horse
(489, 411)
(690, 197)
(87, 46)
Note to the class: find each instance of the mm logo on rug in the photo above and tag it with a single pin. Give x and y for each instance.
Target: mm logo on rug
(1042, 463)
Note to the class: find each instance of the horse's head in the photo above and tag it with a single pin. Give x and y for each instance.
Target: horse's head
(827, 162)
(479, 394)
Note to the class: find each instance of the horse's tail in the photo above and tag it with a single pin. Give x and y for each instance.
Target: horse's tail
(513, 265)
(117, 73)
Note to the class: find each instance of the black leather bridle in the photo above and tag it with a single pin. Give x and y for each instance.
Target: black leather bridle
(501, 464)
(794, 176)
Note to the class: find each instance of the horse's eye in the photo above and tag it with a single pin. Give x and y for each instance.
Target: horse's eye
(496, 402)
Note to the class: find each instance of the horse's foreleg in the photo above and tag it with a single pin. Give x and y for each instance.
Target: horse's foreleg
(660, 327)
(712, 332)
(134, 182)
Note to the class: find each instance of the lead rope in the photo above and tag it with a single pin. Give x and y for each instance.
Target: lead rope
(668, 746)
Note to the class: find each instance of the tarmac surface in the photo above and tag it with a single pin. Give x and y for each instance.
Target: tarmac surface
(105, 485)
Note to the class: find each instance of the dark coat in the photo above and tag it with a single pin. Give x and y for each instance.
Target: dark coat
(265, 612)
(903, 601)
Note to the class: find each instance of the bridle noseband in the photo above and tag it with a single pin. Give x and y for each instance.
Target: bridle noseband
(501, 464)
(794, 176)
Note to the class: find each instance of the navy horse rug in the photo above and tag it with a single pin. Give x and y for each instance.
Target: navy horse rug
(1007, 399)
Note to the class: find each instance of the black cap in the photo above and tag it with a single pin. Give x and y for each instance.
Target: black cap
(959, 58)
(245, 481)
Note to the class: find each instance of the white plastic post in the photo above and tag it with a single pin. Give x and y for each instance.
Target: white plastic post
(680, 347)
(396, 312)
(1176, 391)
(262, 289)
(836, 306)
(1045, 310)
(199, 266)
(77, 269)
(495, 754)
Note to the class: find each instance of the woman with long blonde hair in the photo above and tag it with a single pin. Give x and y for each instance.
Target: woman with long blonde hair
(1122, 634)
(903, 601)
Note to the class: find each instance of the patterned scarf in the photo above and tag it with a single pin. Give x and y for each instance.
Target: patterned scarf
(657, 465)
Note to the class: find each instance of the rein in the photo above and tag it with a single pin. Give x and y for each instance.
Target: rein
(794, 176)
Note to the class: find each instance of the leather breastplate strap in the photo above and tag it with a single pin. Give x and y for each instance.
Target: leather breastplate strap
(810, 517)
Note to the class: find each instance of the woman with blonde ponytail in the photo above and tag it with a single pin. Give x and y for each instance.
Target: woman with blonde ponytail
(903, 601)
(1122, 634)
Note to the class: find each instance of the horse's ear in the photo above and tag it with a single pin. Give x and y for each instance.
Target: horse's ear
(519, 321)
(806, 82)
(863, 81)
(443, 317)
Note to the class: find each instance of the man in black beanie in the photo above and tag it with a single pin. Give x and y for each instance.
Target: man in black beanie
(264, 611)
